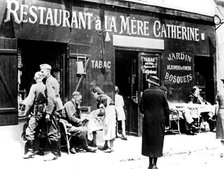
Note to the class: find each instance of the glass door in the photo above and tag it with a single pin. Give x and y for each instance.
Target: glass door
(149, 64)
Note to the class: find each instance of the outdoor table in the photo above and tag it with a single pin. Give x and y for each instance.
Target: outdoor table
(196, 110)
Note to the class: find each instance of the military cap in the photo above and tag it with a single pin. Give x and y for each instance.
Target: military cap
(45, 66)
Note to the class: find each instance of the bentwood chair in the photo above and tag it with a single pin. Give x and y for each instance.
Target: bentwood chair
(174, 118)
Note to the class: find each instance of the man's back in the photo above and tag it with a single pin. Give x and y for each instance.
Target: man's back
(153, 99)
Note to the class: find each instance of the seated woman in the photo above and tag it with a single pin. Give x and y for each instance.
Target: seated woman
(195, 96)
(207, 117)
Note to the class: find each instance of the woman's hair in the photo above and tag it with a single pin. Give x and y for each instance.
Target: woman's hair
(194, 89)
(117, 89)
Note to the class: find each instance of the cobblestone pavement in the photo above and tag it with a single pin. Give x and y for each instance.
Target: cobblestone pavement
(180, 152)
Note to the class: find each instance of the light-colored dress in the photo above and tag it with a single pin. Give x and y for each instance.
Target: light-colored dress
(95, 123)
(109, 123)
(220, 116)
(119, 105)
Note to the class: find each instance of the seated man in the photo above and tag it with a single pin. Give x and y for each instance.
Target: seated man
(78, 125)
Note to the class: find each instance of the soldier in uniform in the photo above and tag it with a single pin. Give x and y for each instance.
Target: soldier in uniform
(52, 118)
(35, 104)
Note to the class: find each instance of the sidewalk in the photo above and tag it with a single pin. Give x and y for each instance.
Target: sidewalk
(11, 146)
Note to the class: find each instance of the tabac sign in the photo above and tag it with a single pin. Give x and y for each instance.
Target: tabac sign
(118, 23)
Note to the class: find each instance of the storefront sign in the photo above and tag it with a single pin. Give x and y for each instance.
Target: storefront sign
(119, 24)
(98, 64)
(179, 68)
(22, 13)
(175, 31)
(150, 65)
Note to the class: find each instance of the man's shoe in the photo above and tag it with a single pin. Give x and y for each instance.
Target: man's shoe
(189, 132)
(92, 144)
(150, 166)
(50, 156)
(124, 138)
(90, 149)
(109, 150)
(73, 151)
(103, 148)
(28, 155)
(154, 167)
(40, 153)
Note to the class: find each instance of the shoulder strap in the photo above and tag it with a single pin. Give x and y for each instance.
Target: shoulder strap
(40, 99)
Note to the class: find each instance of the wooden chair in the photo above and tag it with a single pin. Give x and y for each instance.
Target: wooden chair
(174, 117)
(65, 135)
(195, 113)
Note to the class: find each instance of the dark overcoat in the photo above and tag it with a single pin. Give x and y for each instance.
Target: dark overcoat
(154, 106)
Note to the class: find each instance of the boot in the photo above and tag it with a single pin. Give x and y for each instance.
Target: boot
(30, 152)
(41, 147)
(93, 142)
(90, 149)
(54, 154)
(50, 156)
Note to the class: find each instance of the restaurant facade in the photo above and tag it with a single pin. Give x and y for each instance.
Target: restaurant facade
(107, 42)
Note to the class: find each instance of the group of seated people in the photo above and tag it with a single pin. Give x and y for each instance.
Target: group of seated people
(85, 126)
(193, 124)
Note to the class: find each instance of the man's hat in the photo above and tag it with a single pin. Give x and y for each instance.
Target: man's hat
(196, 88)
(163, 88)
(98, 90)
(153, 80)
(45, 66)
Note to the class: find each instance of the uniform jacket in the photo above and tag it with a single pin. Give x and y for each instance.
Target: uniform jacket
(52, 87)
(35, 90)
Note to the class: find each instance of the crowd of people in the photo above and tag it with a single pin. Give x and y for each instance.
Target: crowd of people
(44, 110)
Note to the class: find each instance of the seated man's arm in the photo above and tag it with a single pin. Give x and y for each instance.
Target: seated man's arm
(71, 112)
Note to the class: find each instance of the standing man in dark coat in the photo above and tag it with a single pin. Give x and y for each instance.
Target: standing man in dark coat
(154, 106)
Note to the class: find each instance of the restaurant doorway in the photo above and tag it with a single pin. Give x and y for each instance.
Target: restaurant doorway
(131, 71)
(126, 78)
(33, 53)
(204, 78)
